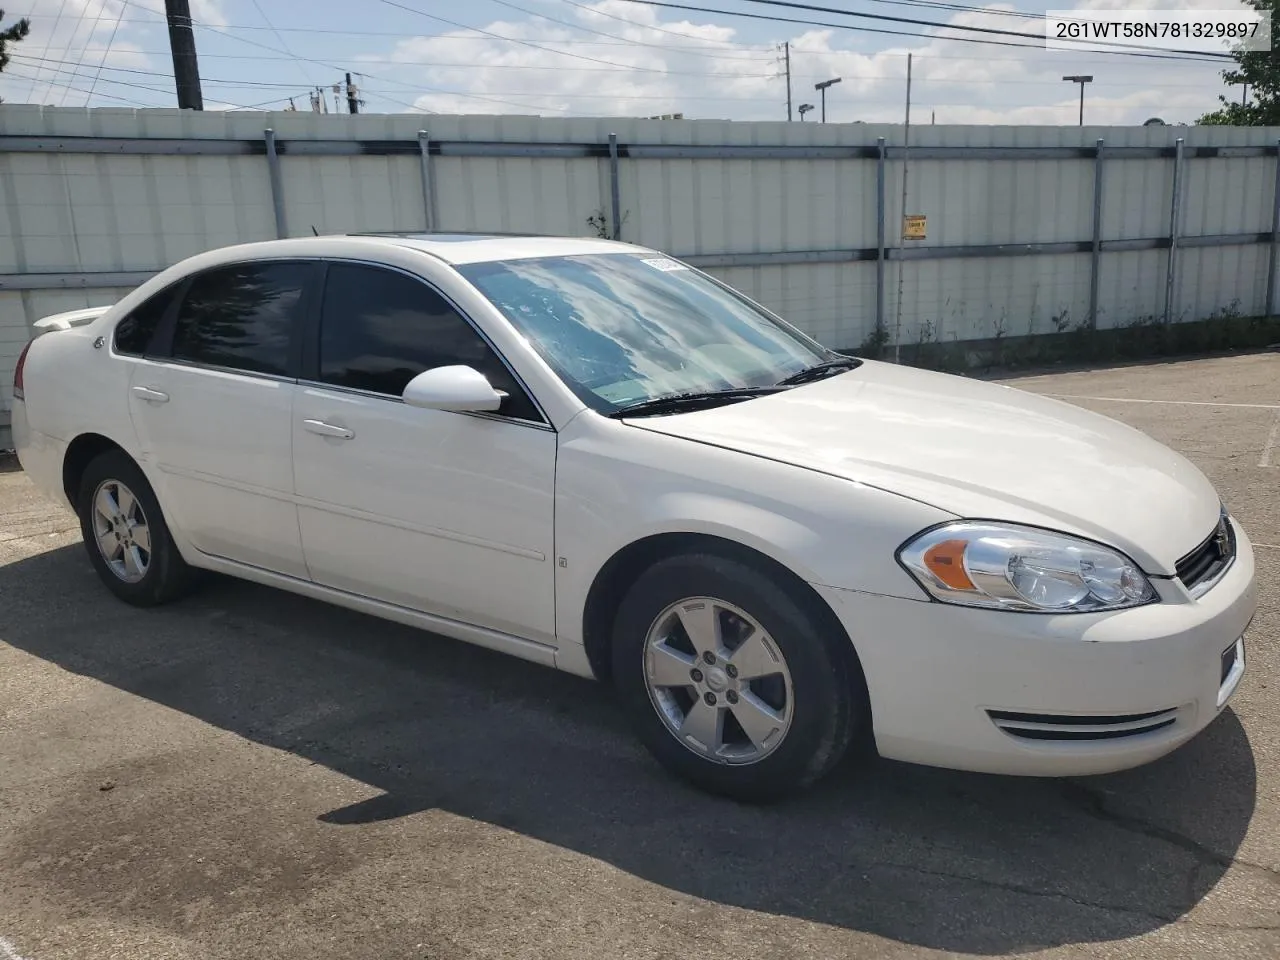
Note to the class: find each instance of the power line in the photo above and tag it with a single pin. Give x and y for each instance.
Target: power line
(644, 26)
(63, 64)
(949, 81)
(418, 88)
(526, 43)
(903, 33)
(400, 34)
(137, 103)
(600, 33)
(985, 58)
(993, 31)
(105, 53)
(961, 8)
(301, 69)
(473, 65)
(52, 30)
(71, 42)
(54, 83)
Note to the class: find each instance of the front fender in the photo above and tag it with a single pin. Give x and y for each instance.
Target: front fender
(616, 485)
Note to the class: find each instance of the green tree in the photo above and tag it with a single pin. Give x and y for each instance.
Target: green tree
(1261, 71)
(11, 35)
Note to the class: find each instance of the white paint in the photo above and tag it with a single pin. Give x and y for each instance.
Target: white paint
(9, 951)
(449, 519)
(1189, 403)
(1271, 443)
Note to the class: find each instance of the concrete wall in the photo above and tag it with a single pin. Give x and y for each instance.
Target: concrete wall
(65, 212)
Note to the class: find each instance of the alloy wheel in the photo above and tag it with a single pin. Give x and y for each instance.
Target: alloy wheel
(121, 531)
(718, 680)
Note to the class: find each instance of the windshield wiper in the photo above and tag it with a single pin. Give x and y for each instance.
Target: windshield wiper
(820, 370)
(677, 402)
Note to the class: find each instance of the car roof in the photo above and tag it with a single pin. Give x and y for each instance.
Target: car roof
(461, 248)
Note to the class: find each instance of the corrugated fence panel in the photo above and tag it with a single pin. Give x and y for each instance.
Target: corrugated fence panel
(1221, 281)
(70, 212)
(516, 195)
(35, 303)
(1132, 287)
(349, 194)
(834, 303)
(1227, 195)
(971, 298)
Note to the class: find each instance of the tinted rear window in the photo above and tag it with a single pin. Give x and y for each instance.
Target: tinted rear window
(243, 317)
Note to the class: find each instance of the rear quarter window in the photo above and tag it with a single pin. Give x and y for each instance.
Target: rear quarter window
(134, 335)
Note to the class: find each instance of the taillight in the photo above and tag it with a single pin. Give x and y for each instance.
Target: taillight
(17, 371)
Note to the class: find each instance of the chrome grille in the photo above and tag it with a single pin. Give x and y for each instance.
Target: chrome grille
(1202, 567)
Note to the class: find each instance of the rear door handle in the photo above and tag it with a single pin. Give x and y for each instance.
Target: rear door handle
(328, 429)
(151, 396)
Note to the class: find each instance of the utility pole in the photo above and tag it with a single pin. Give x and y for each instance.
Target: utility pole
(786, 47)
(182, 44)
(353, 104)
(902, 214)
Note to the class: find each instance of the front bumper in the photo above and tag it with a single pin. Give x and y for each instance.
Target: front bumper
(1049, 695)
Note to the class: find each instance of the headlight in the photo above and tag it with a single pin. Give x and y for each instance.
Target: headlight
(1009, 567)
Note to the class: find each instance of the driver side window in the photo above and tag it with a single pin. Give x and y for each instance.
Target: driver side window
(379, 329)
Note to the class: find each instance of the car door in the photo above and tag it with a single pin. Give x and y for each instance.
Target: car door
(212, 411)
(443, 512)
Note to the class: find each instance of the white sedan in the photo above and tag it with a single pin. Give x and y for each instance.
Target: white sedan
(592, 456)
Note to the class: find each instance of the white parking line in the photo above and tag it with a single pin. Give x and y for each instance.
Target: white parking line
(9, 951)
(1189, 403)
(1271, 443)
(1268, 546)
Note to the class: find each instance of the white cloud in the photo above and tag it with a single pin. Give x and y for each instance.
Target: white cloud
(209, 12)
(655, 65)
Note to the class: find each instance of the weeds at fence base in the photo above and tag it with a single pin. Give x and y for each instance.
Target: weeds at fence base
(1143, 339)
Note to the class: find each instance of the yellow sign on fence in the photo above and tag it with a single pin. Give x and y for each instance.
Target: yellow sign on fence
(913, 226)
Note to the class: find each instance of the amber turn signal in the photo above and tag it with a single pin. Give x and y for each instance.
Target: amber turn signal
(945, 561)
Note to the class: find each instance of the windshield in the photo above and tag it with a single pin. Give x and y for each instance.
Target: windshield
(621, 328)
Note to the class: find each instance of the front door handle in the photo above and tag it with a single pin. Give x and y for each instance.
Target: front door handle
(328, 429)
(151, 396)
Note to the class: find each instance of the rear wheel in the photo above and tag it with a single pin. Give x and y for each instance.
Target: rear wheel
(126, 534)
(731, 682)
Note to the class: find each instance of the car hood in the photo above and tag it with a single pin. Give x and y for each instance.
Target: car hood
(978, 450)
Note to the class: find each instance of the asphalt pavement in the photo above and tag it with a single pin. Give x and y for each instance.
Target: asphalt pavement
(250, 774)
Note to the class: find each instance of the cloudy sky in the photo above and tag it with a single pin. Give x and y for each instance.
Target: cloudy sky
(603, 58)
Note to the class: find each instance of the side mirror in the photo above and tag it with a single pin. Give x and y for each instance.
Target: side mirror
(452, 388)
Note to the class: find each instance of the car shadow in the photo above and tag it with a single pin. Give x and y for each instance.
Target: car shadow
(950, 861)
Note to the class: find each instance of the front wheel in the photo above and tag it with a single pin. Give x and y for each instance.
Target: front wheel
(732, 683)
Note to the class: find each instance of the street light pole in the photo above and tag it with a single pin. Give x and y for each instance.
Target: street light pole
(804, 108)
(1082, 80)
(822, 88)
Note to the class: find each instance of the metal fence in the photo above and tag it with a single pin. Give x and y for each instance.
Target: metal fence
(1031, 230)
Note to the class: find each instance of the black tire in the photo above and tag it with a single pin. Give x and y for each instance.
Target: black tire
(167, 575)
(828, 694)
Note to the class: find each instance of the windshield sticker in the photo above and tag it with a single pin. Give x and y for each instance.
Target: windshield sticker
(665, 265)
